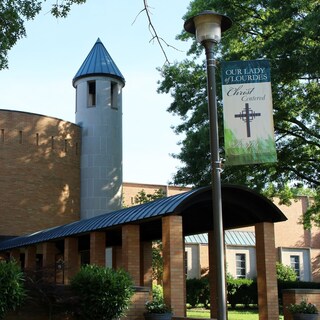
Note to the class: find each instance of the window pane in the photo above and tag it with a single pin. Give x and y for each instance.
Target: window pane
(240, 265)
(295, 265)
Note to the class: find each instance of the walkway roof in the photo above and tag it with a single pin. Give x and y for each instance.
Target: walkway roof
(241, 207)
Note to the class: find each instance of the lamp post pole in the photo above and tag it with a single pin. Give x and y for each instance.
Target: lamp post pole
(216, 182)
(208, 26)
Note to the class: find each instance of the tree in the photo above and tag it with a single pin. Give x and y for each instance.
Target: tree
(14, 13)
(143, 197)
(287, 33)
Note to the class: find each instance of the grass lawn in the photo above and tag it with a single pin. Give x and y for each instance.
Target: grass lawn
(248, 314)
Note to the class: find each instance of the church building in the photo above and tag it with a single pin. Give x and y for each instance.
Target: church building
(64, 199)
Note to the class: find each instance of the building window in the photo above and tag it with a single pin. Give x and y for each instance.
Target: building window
(295, 265)
(186, 263)
(240, 265)
(114, 95)
(91, 93)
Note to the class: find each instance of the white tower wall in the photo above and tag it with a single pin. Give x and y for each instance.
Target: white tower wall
(101, 154)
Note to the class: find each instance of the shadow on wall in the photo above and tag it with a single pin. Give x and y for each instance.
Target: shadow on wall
(40, 172)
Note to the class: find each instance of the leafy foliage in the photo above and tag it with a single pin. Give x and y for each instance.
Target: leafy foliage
(12, 292)
(104, 293)
(14, 13)
(198, 292)
(287, 33)
(157, 260)
(303, 307)
(285, 273)
(143, 197)
(157, 304)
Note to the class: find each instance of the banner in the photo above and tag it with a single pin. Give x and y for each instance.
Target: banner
(247, 112)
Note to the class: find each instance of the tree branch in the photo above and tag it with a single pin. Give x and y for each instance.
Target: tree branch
(153, 31)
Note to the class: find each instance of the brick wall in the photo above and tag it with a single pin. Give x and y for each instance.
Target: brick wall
(40, 172)
(130, 190)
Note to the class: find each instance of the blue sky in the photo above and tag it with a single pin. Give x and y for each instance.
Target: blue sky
(41, 68)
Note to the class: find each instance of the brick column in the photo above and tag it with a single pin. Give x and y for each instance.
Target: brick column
(15, 255)
(212, 277)
(117, 257)
(131, 251)
(266, 272)
(48, 261)
(98, 248)
(30, 258)
(146, 261)
(174, 282)
(71, 258)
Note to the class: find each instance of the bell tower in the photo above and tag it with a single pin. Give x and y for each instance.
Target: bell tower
(98, 85)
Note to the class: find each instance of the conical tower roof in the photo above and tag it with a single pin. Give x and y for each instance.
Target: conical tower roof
(98, 62)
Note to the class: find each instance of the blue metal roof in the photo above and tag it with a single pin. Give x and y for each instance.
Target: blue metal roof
(98, 62)
(241, 207)
(232, 238)
(133, 214)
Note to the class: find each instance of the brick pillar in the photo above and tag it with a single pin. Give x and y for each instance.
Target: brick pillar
(212, 277)
(266, 272)
(174, 282)
(117, 257)
(71, 258)
(15, 255)
(48, 261)
(30, 258)
(131, 251)
(98, 248)
(146, 261)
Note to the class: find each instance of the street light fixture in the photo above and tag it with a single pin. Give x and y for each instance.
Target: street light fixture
(208, 26)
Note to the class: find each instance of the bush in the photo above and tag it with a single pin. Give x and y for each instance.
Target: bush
(12, 292)
(104, 293)
(242, 291)
(157, 292)
(285, 273)
(198, 291)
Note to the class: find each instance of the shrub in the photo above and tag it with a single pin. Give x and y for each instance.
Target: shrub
(12, 292)
(285, 273)
(242, 291)
(104, 293)
(198, 291)
(157, 292)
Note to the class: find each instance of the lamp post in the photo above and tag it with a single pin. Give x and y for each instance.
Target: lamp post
(208, 26)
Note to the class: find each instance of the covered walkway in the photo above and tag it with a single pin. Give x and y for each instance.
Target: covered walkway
(127, 235)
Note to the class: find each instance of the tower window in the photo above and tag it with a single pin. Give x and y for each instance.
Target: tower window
(114, 95)
(91, 93)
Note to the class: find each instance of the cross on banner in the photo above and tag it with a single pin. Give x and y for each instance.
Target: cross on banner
(247, 115)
